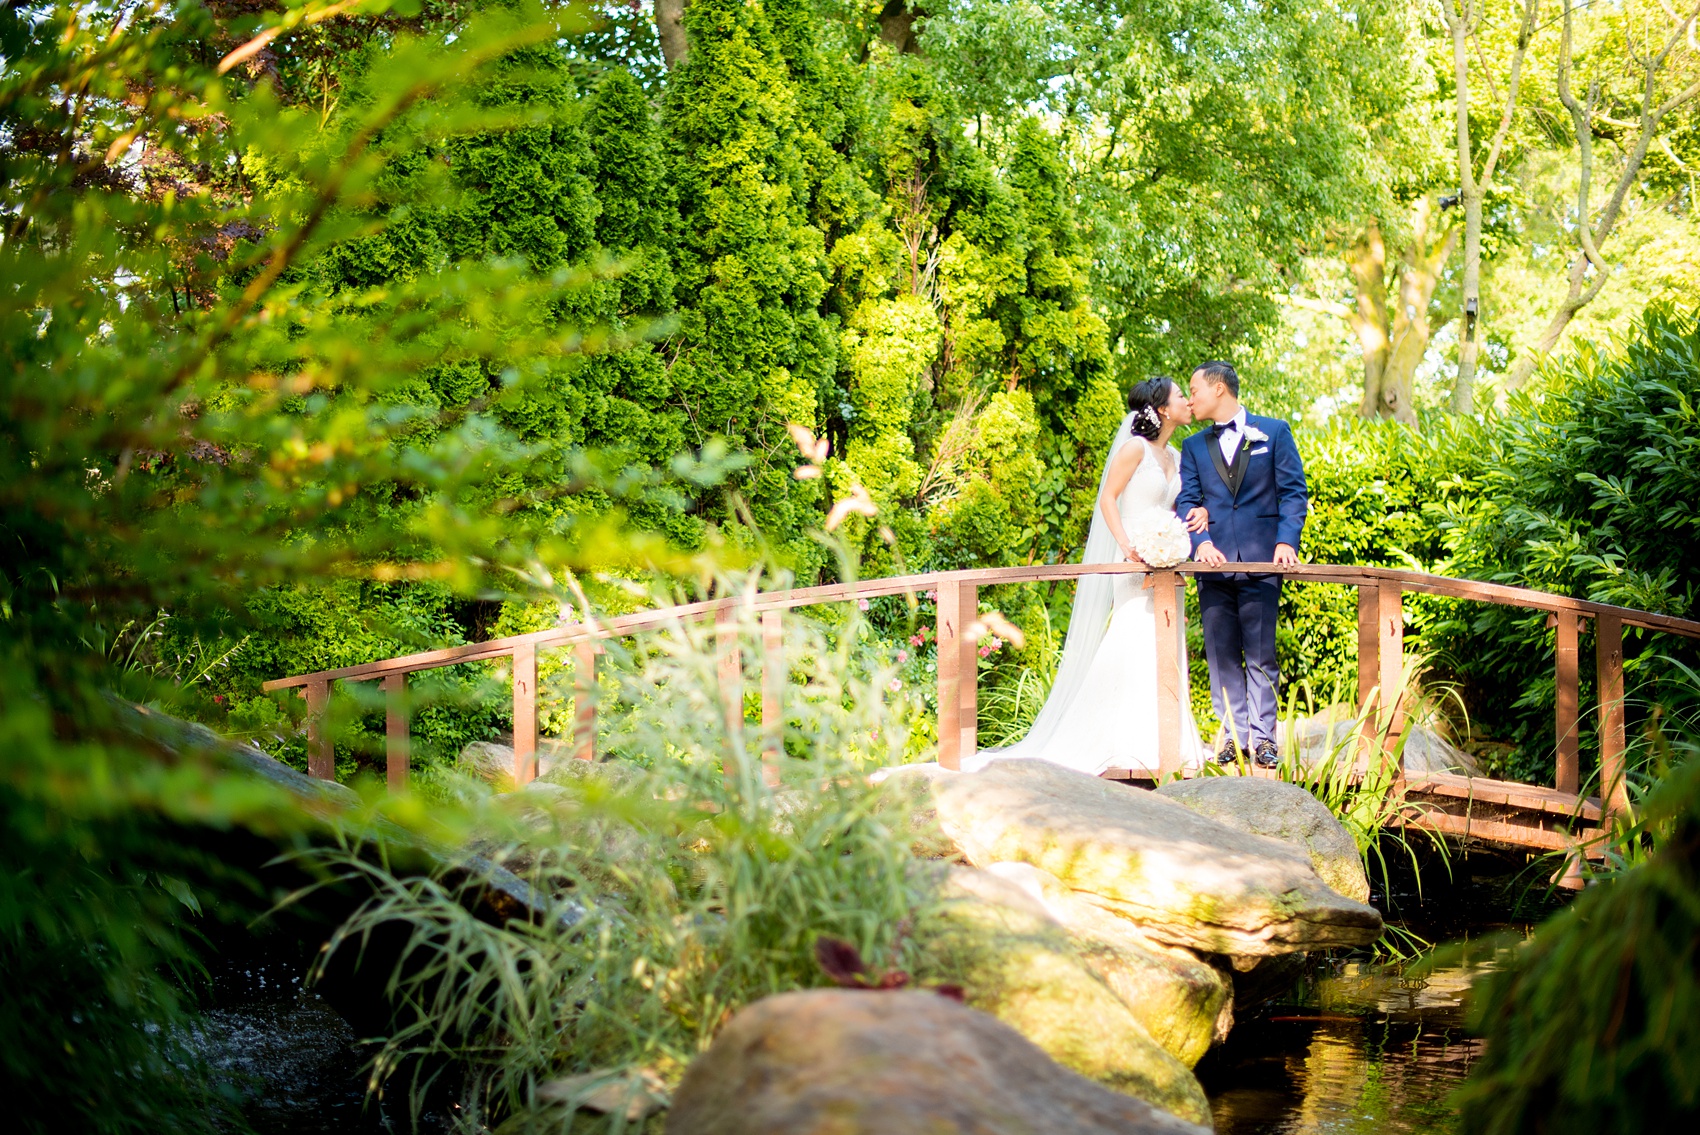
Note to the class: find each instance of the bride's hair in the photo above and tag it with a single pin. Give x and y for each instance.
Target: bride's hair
(1146, 401)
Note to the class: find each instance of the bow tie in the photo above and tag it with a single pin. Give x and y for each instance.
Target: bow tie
(1217, 429)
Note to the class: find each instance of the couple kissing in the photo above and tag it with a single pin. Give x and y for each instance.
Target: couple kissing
(1238, 487)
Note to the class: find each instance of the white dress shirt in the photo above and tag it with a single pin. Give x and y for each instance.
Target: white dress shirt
(1232, 433)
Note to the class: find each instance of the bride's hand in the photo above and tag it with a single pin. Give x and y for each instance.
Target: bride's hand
(1130, 555)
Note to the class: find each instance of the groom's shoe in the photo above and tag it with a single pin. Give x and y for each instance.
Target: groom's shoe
(1230, 753)
(1265, 755)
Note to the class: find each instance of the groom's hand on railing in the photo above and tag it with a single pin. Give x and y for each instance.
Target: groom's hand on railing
(1208, 554)
(1285, 555)
(1198, 519)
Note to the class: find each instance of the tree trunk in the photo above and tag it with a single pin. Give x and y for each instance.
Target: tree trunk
(1469, 346)
(1590, 233)
(1461, 19)
(1367, 261)
(1419, 275)
(670, 27)
(897, 26)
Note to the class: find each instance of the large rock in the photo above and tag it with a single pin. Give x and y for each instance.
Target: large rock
(842, 1062)
(1185, 1003)
(1016, 962)
(908, 791)
(1334, 732)
(493, 762)
(1187, 880)
(1274, 808)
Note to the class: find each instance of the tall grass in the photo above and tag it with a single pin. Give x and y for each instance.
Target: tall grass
(683, 890)
(1006, 708)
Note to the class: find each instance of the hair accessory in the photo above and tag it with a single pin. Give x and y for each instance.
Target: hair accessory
(1149, 416)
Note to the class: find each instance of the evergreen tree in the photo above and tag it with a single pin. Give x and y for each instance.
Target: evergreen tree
(753, 351)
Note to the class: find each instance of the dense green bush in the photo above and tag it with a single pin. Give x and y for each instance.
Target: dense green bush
(1586, 487)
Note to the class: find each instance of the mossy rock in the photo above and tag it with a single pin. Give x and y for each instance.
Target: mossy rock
(1016, 962)
(1184, 1002)
(1274, 808)
(1186, 879)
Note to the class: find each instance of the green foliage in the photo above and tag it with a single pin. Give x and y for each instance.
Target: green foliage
(206, 410)
(1594, 1025)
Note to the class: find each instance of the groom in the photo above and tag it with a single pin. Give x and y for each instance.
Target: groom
(1246, 472)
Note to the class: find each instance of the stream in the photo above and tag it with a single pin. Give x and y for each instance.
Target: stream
(1356, 1047)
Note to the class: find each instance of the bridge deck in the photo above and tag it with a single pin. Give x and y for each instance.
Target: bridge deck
(1505, 813)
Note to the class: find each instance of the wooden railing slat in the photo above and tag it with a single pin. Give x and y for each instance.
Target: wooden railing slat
(321, 754)
(774, 674)
(968, 672)
(584, 700)
(397, 744)
(1566, 704)
(1171, 691)
(1369, 659)
(1608, 659)
(525, 714)
(729, 673)
(1390, 650)
(949, 630)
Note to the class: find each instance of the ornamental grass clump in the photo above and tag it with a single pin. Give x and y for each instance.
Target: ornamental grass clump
(682, 891)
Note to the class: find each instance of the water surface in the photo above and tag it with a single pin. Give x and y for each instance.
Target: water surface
(1356, 1047)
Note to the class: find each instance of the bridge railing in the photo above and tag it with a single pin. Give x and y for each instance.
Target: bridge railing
(1380, 652)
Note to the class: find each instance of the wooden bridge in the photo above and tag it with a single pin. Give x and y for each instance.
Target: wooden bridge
(1554, 817)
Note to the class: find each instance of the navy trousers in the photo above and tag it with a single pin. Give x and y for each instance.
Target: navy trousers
(1239, 640)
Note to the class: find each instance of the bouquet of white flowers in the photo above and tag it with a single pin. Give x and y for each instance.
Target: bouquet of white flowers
(1160, 539)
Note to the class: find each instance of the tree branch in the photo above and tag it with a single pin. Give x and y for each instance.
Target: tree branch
(1531, 9)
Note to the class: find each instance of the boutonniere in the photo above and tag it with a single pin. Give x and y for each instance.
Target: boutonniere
(1252, 433)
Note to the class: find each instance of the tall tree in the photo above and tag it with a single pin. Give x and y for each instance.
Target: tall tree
(1464, 21)
(1392, 336)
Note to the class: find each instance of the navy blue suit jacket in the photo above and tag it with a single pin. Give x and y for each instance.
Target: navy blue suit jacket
(1272, 502)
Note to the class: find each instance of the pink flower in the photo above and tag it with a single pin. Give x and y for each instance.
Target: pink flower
(862, 604)
(916, 640)
(902, 657)
(985, 652)
(896, 685)
(931, 595)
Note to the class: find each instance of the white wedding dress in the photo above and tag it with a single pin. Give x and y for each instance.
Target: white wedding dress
(1102, 709)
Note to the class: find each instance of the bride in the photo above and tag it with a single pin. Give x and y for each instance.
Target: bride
(1102, 709)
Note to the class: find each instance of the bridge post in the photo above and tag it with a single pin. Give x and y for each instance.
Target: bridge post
(584, 699)
(1369, 655)
(968, 674)
(321, 754)
(525, 713)
(773, 676)
(958, 671)
(1167, 608)
(1381, 662)
(1566, 703)
(729, 669)
(1608, 658)
(396, 743)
